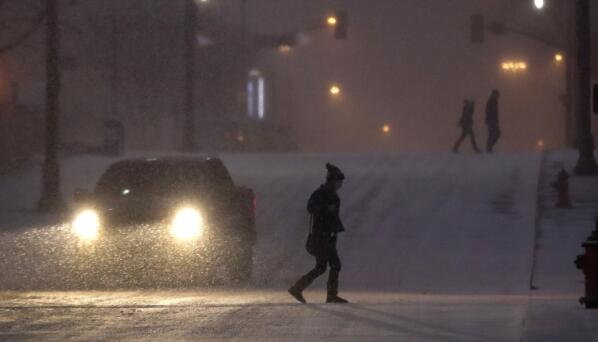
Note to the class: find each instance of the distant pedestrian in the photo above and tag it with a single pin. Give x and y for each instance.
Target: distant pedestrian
(466, 124)
(492, 121)
(324, 206)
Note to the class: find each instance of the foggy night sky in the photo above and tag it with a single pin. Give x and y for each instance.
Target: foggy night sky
(408, 63)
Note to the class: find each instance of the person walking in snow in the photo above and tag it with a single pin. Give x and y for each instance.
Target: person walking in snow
(466, 124)
(492, 121)
(324, 206)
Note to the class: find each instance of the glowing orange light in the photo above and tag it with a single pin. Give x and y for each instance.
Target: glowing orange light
(331, 20)
(513, 66)
(386, 129)
(558, 57)
(284, 48)
(335, 90)
(540, 144)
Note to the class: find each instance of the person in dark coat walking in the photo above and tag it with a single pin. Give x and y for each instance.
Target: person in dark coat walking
(492, 121)
(324, 206)
(466, 124)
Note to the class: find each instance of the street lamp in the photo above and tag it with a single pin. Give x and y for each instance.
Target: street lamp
(514, 66)
(284, 48)
(331, 20)
(539, 4)
(558, 57)
(335, 90)
(386, 129)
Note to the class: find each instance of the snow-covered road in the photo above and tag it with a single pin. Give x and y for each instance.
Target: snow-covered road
(267, 315)
(438, 248)
(419, 224)
(257, 316)
(437, 223)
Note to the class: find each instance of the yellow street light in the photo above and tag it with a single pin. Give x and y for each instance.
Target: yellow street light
(558, 57)
(386, 129)
(335, 90)
(284, 48)
(513, 66)
(331, 20)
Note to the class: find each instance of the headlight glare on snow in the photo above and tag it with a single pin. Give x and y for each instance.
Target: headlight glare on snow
(86, 225)
(188, 224)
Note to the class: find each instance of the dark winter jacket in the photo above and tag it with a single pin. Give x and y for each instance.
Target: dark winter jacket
(467, 116)
(324, 204)
(492, 112)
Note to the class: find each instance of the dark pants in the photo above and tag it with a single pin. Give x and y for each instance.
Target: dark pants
(326, 256)
(467, 131)
(493, 136)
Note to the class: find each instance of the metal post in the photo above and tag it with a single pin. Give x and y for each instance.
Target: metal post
(570, 124)
(51, 198)
(586, 163)
(114, 68)
(188, 143)
(243, 20)
(568, 41)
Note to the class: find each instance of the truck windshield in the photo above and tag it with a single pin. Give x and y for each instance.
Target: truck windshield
(152, 178)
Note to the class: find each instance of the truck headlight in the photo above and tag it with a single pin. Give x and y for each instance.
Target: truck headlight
(188, 224)
(86, 225)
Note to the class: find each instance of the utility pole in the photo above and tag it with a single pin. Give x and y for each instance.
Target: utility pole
(51, 197)
(243, 20)
(568, 41)
(586, 164)
(114, 74)
(190, 24)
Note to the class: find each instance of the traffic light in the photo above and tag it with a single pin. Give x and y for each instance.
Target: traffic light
(477, 29)
(341, 26)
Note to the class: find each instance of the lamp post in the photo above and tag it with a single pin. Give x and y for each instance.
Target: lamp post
(586, 164)
(243, 15)
(190, 22)
(51, 197)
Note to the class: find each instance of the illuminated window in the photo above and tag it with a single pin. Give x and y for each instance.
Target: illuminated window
(250, 99)
(261, 106)
(256, 95)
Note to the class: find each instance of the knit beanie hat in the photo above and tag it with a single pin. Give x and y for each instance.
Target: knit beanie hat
(334, 173)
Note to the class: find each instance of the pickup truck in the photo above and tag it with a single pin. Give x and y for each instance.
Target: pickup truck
(147, 212)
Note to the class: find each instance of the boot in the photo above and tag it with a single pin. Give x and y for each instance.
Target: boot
(297, 295)
(336, 300)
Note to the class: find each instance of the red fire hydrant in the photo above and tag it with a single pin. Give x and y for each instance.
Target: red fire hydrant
(588, 262)
(562, 187)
